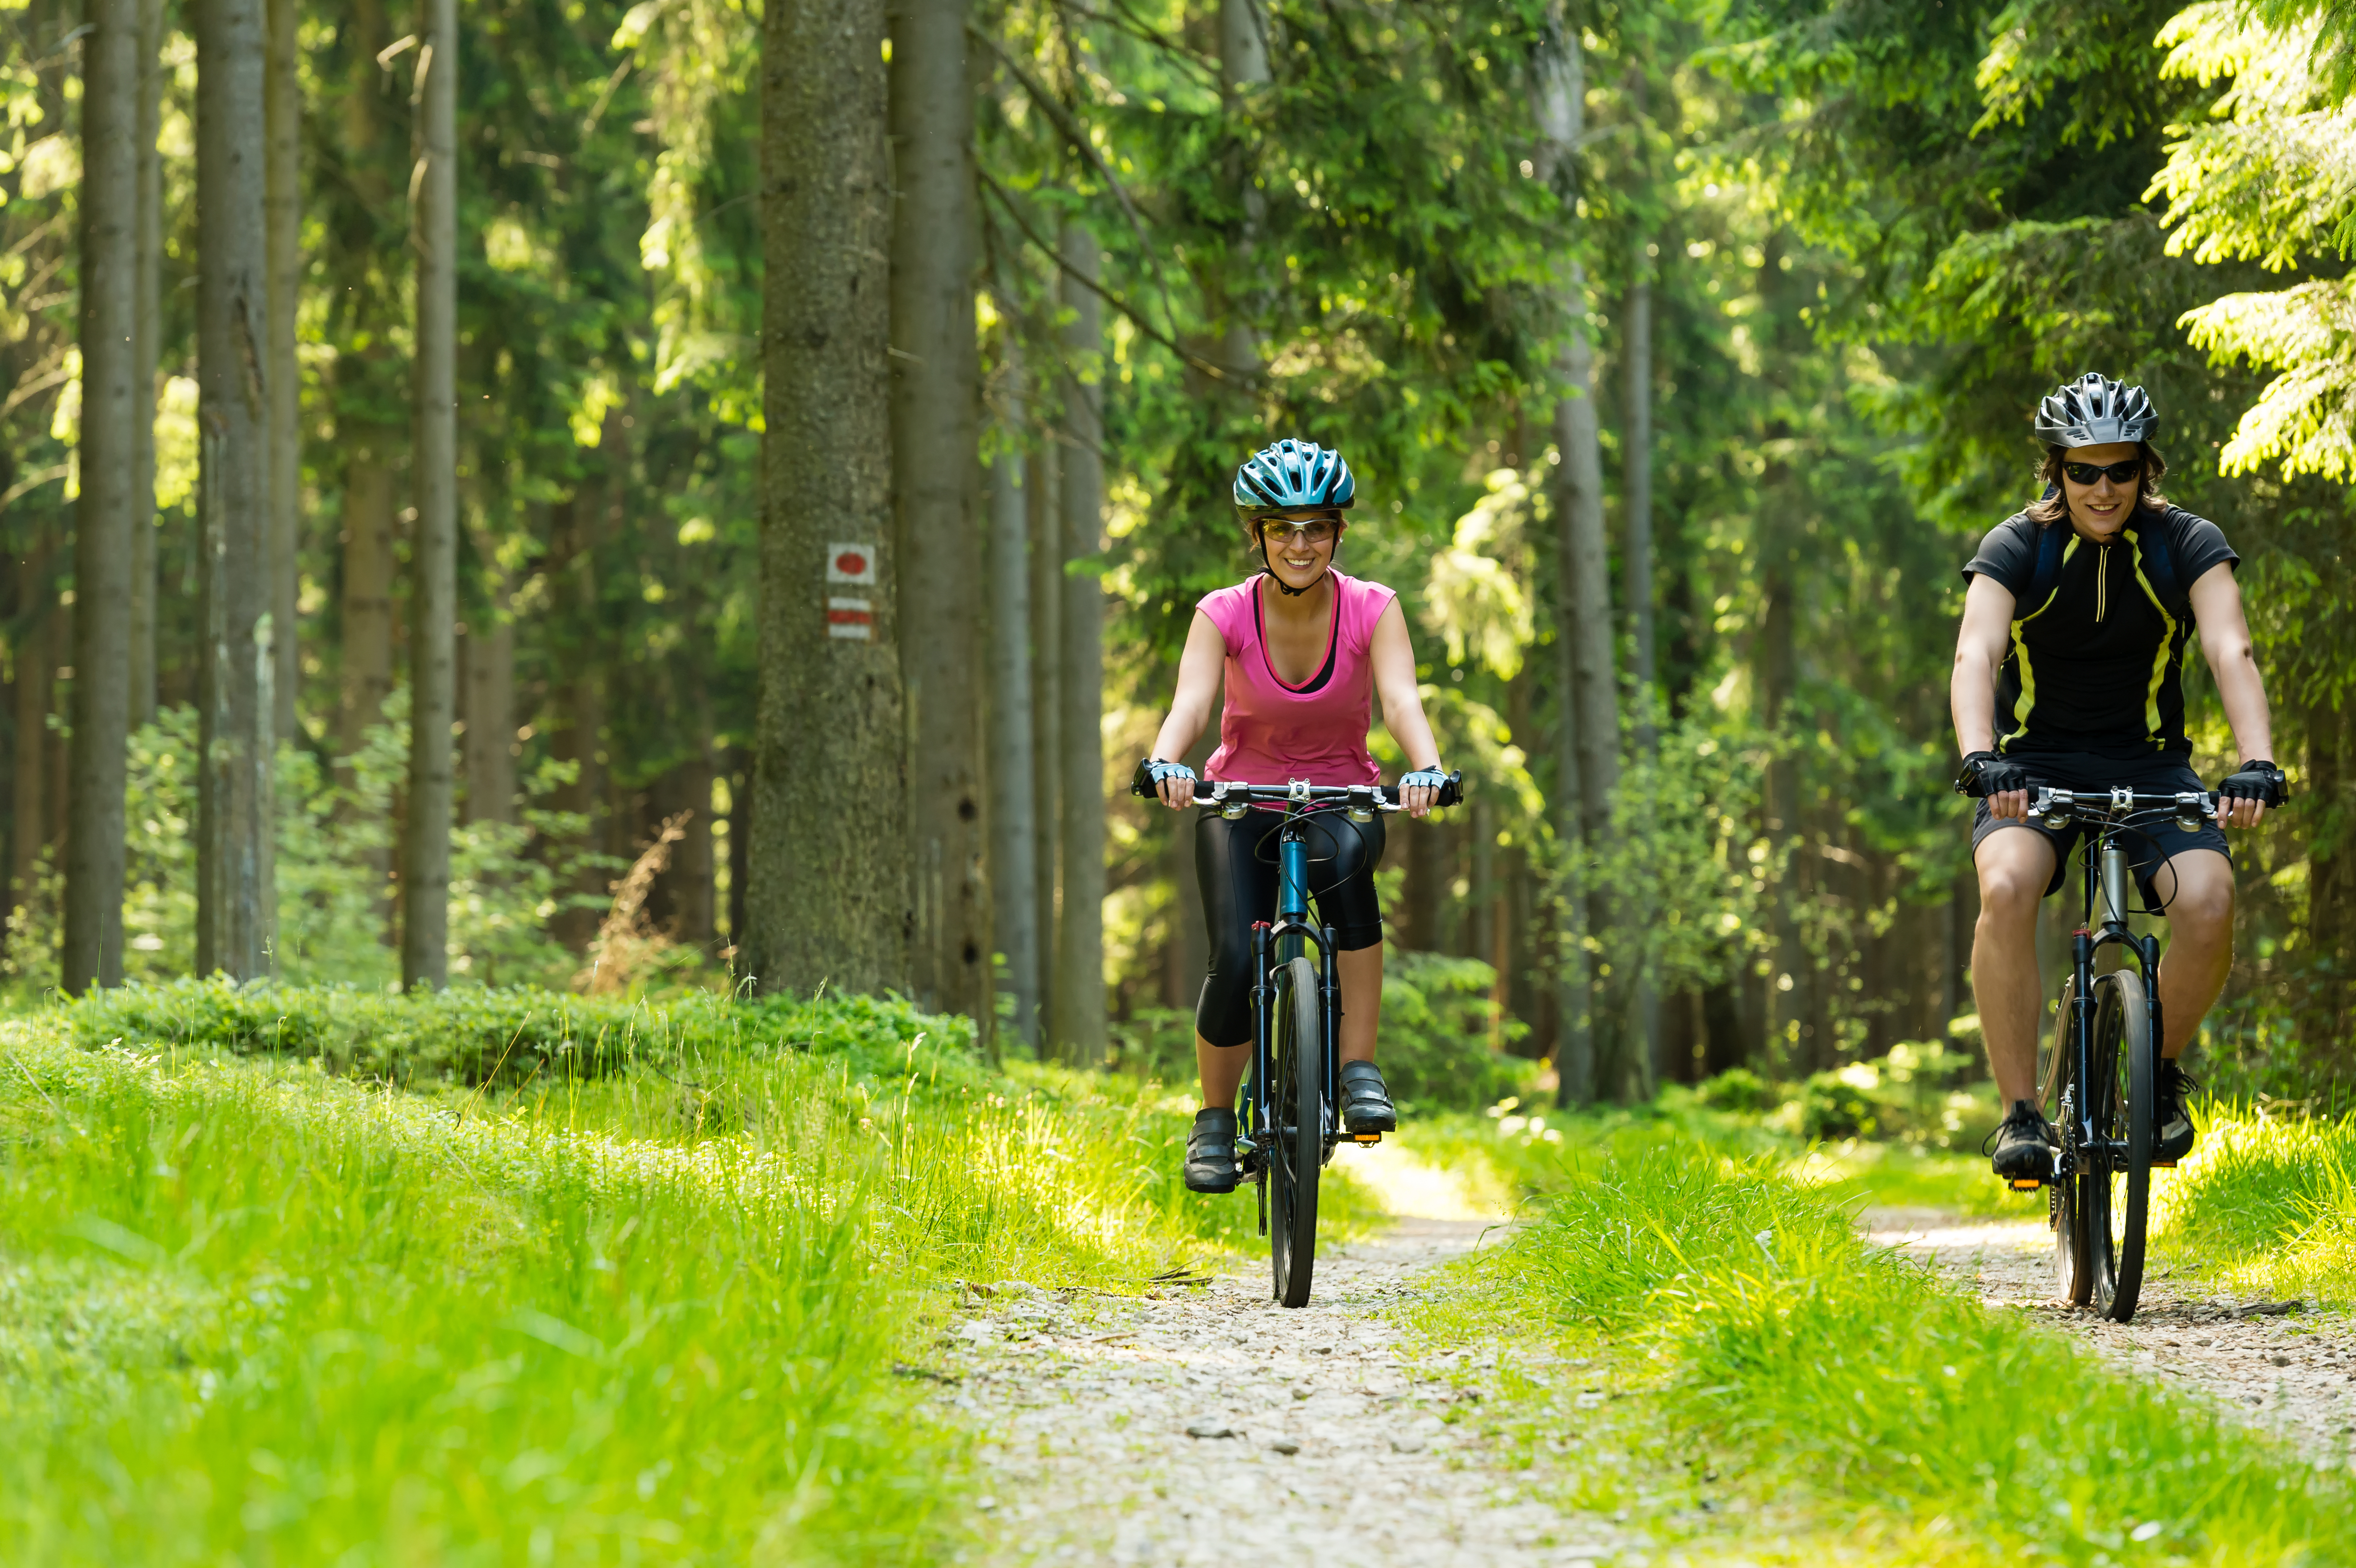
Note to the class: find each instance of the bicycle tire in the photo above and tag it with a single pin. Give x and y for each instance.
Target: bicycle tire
(1297, 1093)
(2123, 1054)
(2073, 1265)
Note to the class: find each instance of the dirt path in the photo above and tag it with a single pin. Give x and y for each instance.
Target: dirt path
(2279, 1366)
(1119, 1431)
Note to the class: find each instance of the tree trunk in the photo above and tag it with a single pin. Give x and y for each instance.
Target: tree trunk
(936, 406)
(367, 611)
(146, 343)
(236, 880)
(27, 822)
(1043, 503)
(740, 834)
(827, 898)
(434, 557)
(111, 382)
(1013, 803)
(1079, 1001)
(283, 215)
(1787, 985)
(488, 662)
(1636, 561)
(1587, 704)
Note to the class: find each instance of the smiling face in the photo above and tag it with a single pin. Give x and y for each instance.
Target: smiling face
(1299, 543)
(2101, 508)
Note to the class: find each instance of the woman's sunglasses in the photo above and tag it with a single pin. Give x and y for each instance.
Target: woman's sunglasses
(2117, 473)
(1307, 533)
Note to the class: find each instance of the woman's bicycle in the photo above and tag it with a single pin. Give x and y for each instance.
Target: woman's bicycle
(1289, 1122)
(2098, 1074)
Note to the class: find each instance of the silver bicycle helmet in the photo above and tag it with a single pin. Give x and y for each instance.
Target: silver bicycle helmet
(2094, 410)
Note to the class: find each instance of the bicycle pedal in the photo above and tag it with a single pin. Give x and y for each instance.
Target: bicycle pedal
(2163, 1164)
(1365, 1137)
(2030, 1185)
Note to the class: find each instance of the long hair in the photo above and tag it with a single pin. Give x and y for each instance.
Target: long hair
(2055, 506)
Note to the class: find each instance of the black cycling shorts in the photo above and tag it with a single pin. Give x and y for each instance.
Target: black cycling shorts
(1235, 863)
(2147, 846)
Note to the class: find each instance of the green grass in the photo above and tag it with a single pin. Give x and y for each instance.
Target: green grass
(2264, 1203)
(640, 1301)
(1749, 1350)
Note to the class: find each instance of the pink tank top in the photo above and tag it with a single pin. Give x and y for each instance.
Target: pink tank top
(1274, 733)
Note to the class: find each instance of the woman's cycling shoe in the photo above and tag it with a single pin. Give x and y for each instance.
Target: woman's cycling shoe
(1365, 1101)
(1211, 1152)
(2175, 1120)
(2024, 1145)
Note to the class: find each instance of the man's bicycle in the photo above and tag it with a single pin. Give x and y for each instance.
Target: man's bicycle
(1289, 1122)
(2098, 1073)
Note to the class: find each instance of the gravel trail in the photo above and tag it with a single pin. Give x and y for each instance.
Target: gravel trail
(1126, 1431)
(2280, 1366)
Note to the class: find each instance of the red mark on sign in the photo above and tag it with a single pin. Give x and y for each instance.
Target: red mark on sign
(851, 562)
(852, 618)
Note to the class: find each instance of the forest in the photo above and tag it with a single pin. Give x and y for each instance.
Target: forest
(580, 586)
(374, 378)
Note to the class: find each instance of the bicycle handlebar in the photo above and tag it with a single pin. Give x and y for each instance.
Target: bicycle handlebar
(2118, 802)
(1366, 797)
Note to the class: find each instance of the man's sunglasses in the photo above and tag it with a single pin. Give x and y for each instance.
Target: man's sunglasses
(2117, 473)
(1316, 532)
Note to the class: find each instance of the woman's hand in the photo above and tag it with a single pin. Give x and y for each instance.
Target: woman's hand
(1175, 782)
(1419, 791)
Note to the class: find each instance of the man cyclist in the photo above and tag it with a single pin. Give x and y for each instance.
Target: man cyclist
(1301, 647)
(2069, 673)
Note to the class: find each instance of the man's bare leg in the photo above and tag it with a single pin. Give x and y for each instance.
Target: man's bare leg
(2197, 887)
(2015, 865)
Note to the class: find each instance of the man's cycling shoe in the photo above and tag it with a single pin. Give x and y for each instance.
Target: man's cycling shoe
(2024, 1145)
(1211, 1152)
(1365, 1102)
(2175, 1120)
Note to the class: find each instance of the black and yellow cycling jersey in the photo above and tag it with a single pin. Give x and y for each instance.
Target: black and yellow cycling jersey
(2096, 661)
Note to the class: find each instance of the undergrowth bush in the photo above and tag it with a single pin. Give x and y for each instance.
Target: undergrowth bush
(1438, 1043)
(475, 1035)
(2268, 1200)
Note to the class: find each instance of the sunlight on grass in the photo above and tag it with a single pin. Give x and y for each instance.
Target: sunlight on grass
(2264, 1202)
(606, 1282)
(1709, 1346)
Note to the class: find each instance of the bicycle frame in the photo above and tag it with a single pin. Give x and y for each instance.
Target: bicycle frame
(2106, 881)
(1278, 943)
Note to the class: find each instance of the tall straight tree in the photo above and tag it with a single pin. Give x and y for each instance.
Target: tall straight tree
(1013, 803)
(1078, 1011)
(434, 557)
(236, 875)
(111, 382)
(1587, 741)
(936, 411)
(146, 339)
(1043, 490)
(827, 898)
(283, 216)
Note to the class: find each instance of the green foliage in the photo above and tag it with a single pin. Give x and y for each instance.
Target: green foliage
(1763, 1348)
(1737, 1089)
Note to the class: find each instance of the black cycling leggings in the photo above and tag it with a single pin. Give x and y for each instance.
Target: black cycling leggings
(1236, 862)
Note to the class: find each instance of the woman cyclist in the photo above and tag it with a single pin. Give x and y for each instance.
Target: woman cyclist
(1298, 663)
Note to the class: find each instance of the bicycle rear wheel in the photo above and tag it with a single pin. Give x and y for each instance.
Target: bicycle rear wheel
(1296, 1091)
(2126, 1073)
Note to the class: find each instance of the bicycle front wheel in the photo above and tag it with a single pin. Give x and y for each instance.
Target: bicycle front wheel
(2126, 1069)
(1296, 1093)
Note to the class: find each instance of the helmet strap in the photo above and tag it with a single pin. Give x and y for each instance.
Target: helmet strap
(1287, 589)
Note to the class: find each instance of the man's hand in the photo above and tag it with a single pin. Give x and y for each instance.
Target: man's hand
(2244, 794)
(2001, 782)
(1419, 790)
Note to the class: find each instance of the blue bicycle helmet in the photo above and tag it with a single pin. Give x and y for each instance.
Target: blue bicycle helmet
(1291, 474)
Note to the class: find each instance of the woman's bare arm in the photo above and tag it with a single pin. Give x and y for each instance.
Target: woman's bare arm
(1200, 671)
(1393, 656)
